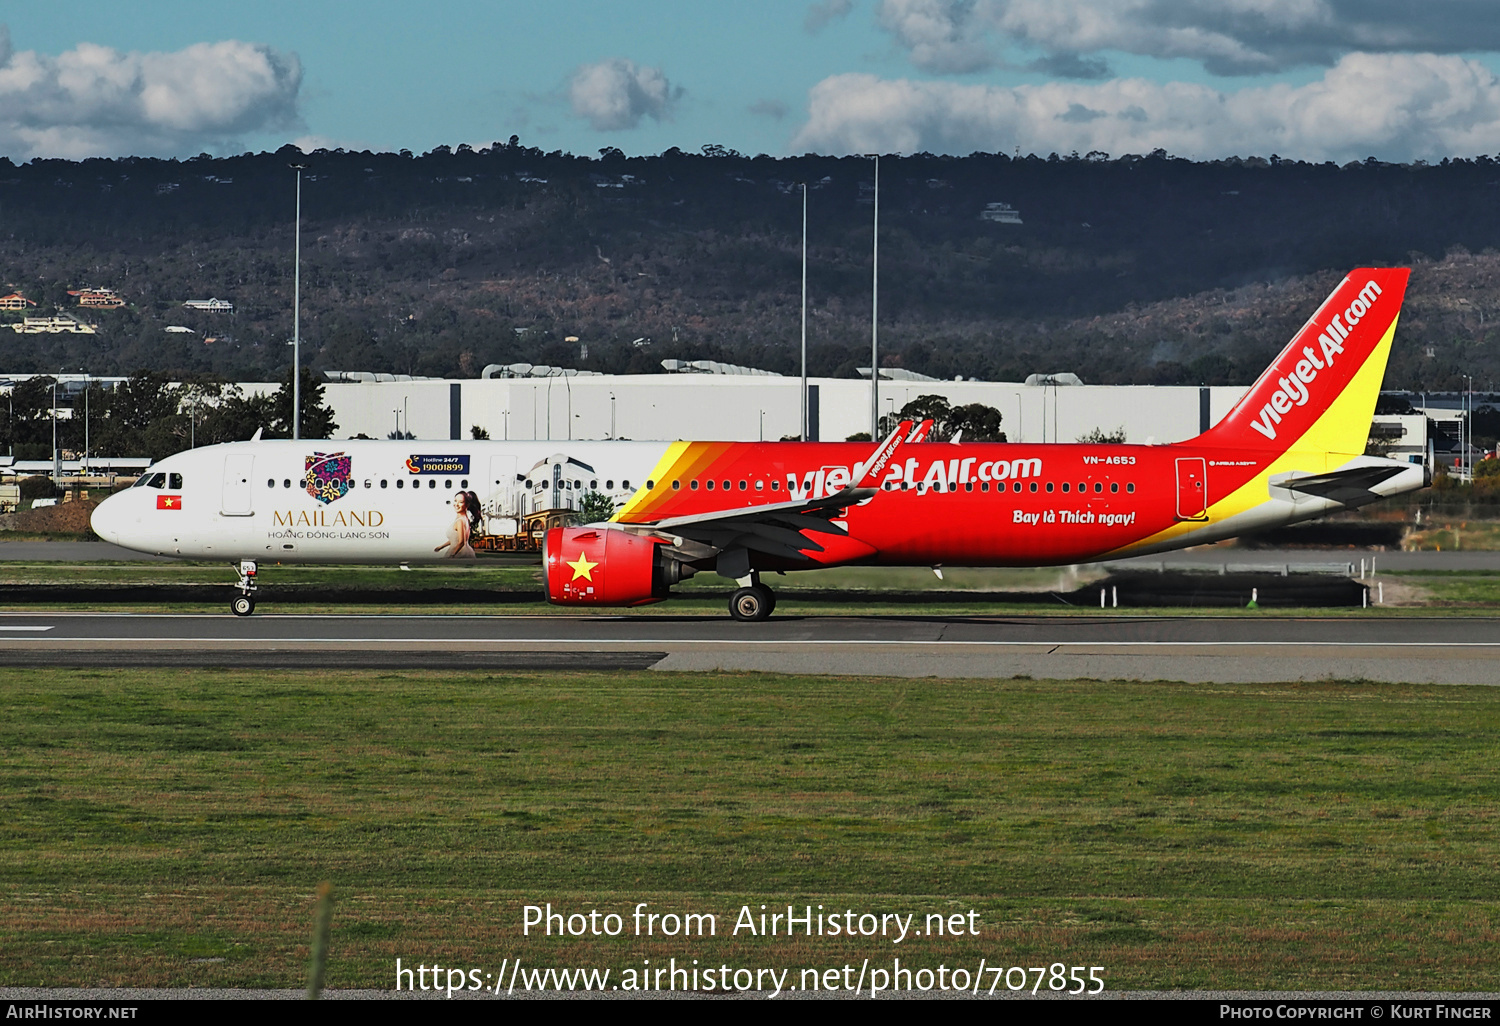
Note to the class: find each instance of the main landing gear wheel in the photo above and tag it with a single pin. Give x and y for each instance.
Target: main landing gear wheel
(243, 605)
(752, 603)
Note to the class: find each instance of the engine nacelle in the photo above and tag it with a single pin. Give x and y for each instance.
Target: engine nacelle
(598, 566)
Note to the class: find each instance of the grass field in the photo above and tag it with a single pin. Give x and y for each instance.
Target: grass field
(169, 827)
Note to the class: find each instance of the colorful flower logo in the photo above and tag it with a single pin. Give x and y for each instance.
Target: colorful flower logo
(328, 475)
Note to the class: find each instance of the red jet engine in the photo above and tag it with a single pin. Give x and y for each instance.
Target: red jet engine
(592, 566)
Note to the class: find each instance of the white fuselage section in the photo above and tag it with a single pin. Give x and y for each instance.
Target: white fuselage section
(356, 501)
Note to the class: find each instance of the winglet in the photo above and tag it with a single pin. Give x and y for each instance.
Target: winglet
(881, 458)
(256, 437)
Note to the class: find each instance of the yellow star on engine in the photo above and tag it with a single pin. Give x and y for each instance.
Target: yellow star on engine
(583, 568)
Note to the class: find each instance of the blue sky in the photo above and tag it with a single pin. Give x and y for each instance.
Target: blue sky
(1316, 79)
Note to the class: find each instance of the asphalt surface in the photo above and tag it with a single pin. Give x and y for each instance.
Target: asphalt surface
(1202, 558)
(1200, 649)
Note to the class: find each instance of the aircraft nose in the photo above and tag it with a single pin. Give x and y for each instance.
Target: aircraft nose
(106, 518)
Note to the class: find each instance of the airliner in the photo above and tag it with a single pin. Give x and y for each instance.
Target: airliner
(1292, 449)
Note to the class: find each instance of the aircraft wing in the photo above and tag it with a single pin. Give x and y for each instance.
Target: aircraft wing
(780, 529)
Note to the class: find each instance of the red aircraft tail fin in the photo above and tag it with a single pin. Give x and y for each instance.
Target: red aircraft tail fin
(1320, 392)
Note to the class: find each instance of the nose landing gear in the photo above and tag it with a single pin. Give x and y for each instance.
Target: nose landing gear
(244, 603)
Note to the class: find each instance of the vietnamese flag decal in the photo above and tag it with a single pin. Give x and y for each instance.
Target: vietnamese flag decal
(169, 502)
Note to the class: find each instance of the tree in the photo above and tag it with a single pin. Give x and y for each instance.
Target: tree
(973, 422)
(478, 433)
(1099, 436)
(317, 418)
(596, 508)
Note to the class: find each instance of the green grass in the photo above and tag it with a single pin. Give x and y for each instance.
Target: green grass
(169, 827)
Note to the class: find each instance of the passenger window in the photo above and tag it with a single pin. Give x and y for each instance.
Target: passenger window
(709, 485)
(1065, 486)
(447, 482)
(693, 485)
(1114, 486)
(432, 483)
(384, 483)
(593, 484)
(775, 486)
(726, 486)
(271, 483)
(1049, 486)
(402, 484)
(286, 482)
(1033, 486)
(969, 487)
(464, 483)
(626, 484)
(760, 486)
(1098, 487)
(984, 487)
(369, 485)
(676, 485)
(1130, 487)
(1017, 487)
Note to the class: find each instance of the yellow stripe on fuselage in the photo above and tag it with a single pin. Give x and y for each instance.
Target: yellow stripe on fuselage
(1334, 439)
(662, 472)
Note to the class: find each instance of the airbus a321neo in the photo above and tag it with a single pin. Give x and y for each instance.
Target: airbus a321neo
(1292, 449)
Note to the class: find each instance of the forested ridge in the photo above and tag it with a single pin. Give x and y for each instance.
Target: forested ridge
(1131, 269)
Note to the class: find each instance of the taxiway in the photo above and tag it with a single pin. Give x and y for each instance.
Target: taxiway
(1266, 649)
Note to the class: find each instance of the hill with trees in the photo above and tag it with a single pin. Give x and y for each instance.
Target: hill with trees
(1135, 269)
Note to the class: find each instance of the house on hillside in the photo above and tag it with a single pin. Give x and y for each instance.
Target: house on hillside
(97, 299)
(1000, 213)
(210, 305)
(51, 326)
(15, 301)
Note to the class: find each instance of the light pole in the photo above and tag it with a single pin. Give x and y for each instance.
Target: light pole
(297, 312)
(762, 425)
(549, 407)
(803, 435)
(506, 415)
(56, 466)
(875, 315)
(612, 435)
(85, 422)
(397, 414)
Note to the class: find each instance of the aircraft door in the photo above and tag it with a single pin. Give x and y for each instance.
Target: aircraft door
(238, 469)
(1192, 488)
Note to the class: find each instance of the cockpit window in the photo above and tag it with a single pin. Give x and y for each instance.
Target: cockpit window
(174, 482)
(156, 481)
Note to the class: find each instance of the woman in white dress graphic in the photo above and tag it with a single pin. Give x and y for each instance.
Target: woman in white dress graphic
(457, 544)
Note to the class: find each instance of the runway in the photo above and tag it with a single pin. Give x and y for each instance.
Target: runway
(1245, 649)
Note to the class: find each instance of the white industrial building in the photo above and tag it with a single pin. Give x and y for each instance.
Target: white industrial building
(750, 407)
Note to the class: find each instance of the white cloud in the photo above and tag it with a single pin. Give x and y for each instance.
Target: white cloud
(616, 94)
(1394, 106)
(95, 101)
(1226, 36)
(825, 11)
(942, 35)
